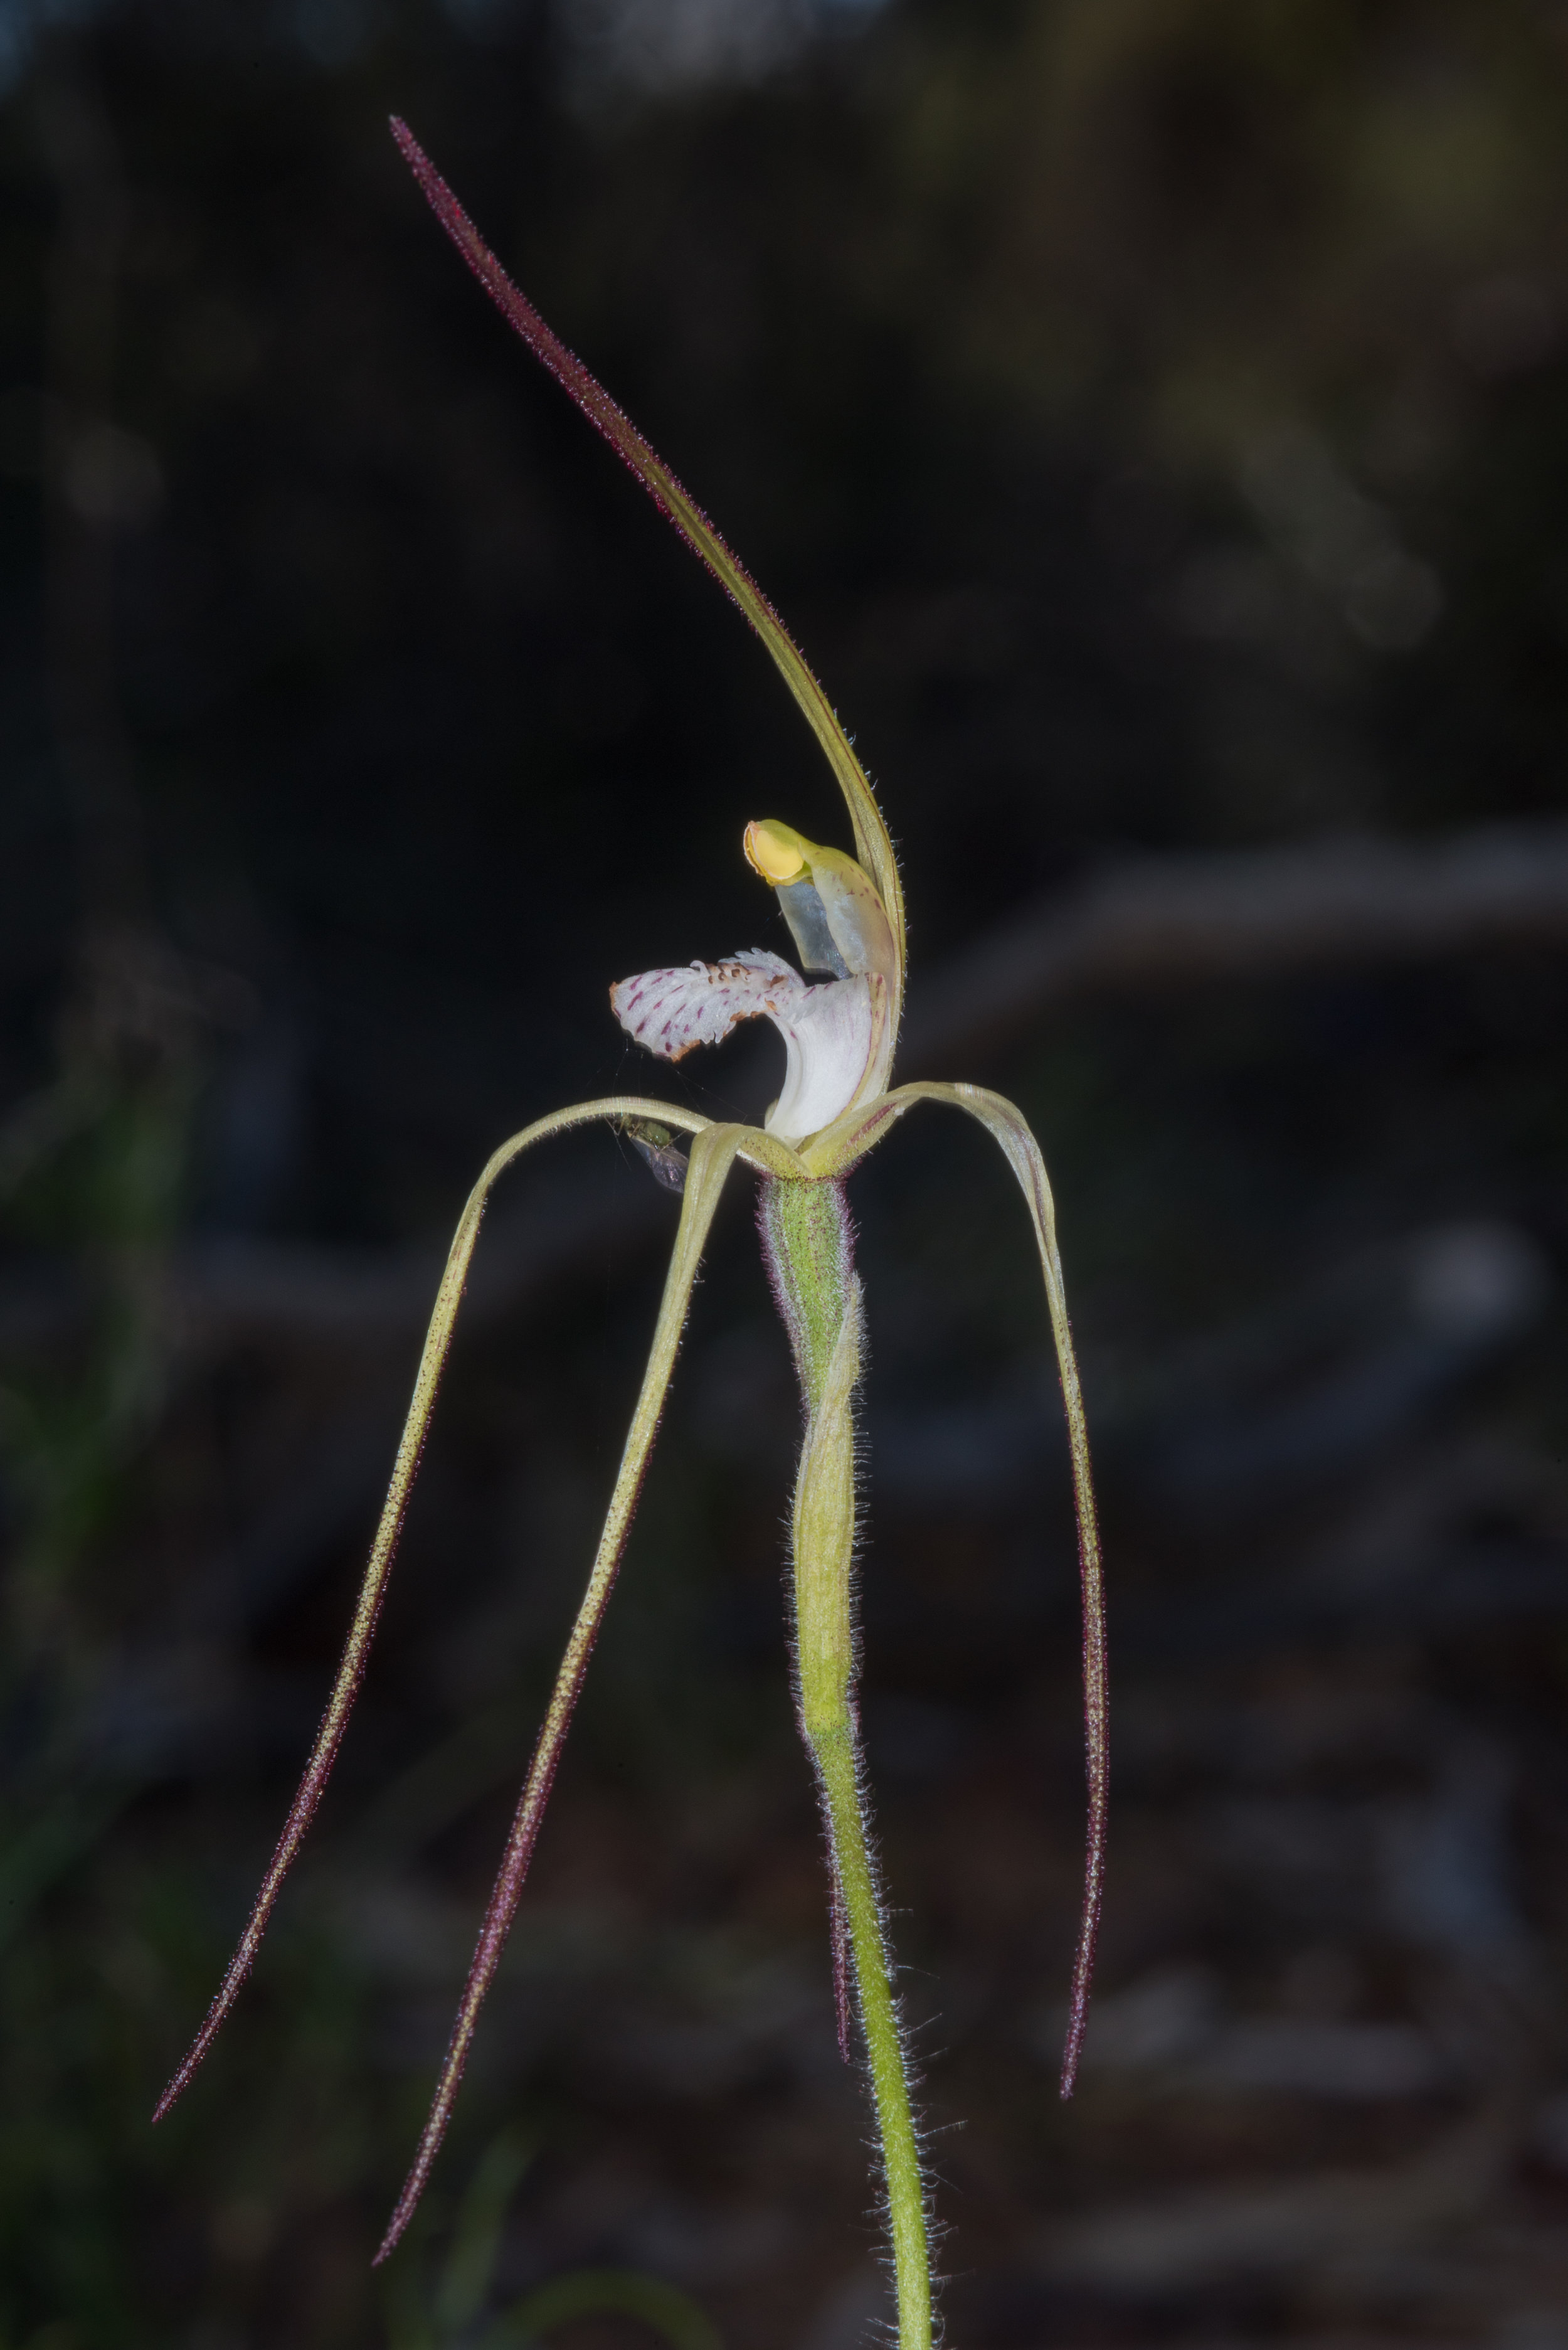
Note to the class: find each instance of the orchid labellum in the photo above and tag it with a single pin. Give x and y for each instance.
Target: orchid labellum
(838, 1015)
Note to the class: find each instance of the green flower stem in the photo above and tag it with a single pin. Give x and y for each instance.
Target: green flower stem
(836, 1755)
(809, 1247)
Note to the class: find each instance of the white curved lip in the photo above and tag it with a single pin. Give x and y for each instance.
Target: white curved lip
(826, 1029)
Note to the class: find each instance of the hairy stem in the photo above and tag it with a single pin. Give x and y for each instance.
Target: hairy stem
(809, 1246)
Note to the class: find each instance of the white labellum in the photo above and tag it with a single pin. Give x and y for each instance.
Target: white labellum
(827, 1029)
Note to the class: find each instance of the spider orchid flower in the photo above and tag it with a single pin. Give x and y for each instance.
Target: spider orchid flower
(838, 1037)
(838, 1017)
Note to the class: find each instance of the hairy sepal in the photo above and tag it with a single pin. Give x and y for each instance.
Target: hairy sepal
(873, 845)
(1009, 1127)
(383, 1550)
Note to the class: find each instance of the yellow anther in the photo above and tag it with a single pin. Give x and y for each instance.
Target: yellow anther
(771, 851)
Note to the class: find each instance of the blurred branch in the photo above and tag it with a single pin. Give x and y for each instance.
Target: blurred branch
(225, 1292)
(1176, 920)
(1155, 924)
(1287, 2225)
(1161, 922)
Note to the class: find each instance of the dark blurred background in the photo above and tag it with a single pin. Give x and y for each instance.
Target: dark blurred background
(1152, 417)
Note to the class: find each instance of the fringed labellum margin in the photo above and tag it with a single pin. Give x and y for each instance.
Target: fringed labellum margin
(839, 1023)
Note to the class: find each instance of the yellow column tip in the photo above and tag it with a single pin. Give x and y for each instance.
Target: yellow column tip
(771, 851)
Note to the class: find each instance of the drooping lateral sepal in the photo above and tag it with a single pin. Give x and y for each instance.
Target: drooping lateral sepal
(383, 1550)
(1010, 1130)
(713, 1153)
